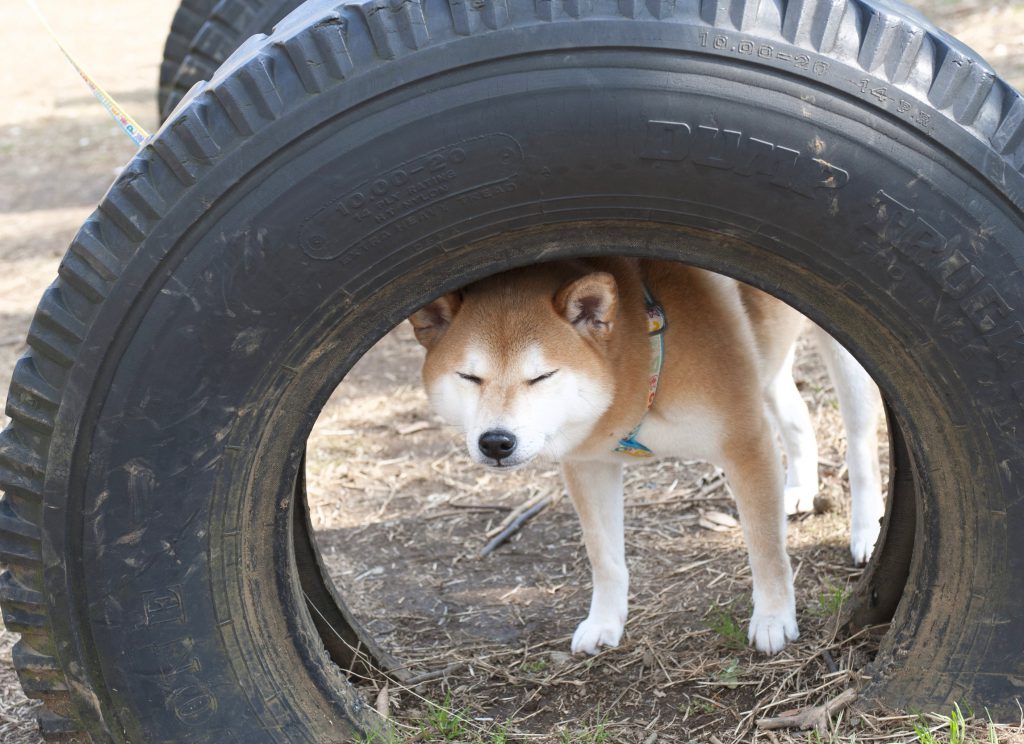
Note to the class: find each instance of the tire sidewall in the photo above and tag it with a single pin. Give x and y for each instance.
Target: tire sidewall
(181, 320)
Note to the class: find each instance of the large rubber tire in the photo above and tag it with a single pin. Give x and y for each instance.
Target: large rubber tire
(188, 19)
(204, 33)
(841, 154)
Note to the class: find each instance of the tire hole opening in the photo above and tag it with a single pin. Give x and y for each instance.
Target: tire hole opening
(393, 516)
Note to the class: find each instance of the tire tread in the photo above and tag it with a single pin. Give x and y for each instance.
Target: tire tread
(188, 19)
(312, 50)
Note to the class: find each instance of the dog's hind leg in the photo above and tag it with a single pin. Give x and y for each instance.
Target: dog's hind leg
(776, 327)
(596, 491)
(860, 405)
(790, 416)
(754, 469)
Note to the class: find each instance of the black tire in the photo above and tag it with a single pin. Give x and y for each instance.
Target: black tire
(204, 34)
(841, 154)
(189, 17)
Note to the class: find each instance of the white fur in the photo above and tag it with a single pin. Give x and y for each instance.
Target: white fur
(596, 491)
(595, 486)
(793, 422)
(550, 418)
(860, 405)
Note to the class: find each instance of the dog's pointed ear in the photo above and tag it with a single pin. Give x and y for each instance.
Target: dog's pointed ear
(590, 303)
(431, 321)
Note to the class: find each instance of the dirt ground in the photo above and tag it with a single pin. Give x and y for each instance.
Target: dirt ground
(401, 514)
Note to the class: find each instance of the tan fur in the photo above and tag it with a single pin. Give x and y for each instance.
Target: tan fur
(555, 359)
(776, 327)
(710, 357)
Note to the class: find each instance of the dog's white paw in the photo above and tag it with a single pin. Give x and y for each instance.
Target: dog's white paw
(800, 499)
(862, 541)
(769, 631)
(593, 633)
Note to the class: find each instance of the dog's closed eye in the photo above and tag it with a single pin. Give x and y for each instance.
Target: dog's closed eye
(539, 378)
(470, 378)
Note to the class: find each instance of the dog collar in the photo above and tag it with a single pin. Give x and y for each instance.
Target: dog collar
(629, 445)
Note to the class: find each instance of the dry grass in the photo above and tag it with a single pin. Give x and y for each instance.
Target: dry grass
(402, 514)
(499, 626)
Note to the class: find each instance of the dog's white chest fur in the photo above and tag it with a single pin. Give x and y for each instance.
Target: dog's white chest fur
(689, 432)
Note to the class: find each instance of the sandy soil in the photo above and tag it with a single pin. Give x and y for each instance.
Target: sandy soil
(379, 450)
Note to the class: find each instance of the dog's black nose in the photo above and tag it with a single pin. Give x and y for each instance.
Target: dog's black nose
(497, 443)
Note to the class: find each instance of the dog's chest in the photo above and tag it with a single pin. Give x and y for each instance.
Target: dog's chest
(690, 432)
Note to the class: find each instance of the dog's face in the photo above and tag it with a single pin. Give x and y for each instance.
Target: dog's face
(519, 362)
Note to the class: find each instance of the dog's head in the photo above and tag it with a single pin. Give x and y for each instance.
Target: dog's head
(519, 361)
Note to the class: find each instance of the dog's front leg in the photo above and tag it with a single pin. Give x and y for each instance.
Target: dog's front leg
(754, 471)
(596, 492)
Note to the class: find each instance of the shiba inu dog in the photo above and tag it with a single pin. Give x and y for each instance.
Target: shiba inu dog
(596, 362)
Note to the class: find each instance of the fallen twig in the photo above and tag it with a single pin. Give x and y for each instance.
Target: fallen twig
(514, 526)
(700, 494)
(419, 679)
(479, 507)
(816, 717)
(829, 661)
(518, 511)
